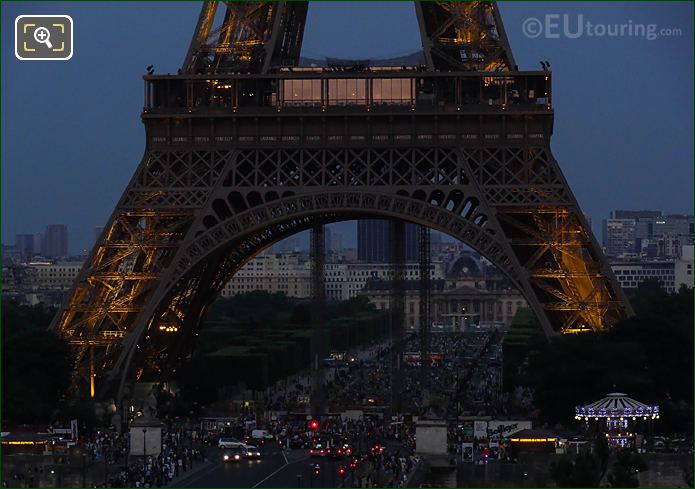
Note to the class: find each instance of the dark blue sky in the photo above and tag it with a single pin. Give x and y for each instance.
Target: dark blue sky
(71, 134)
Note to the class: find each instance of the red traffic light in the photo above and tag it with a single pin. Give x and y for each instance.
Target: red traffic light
(314, 425)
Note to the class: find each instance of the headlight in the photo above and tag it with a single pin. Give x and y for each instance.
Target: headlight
(236, 457)
(258, 454)
(226, 457)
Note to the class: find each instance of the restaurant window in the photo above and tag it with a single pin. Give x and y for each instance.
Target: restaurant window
(302, 92)
(347, 91)
(391, 91)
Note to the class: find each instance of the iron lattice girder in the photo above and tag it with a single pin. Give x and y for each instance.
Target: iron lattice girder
(255, 210)
(252, 37)
(562, 265)
(108, 308)
(119, 275)
(258, 36)
(567, 306)
(464, 36)
(557, 273)
(397, 310)
(203, 201)
(425, 311)
(101, 342)
(318, 296)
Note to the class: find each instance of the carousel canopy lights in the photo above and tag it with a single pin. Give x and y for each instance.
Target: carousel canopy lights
(617, 405)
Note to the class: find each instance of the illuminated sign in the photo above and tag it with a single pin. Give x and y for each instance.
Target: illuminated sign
(534, 440)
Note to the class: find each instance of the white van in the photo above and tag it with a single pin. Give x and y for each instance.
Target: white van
(261, 435)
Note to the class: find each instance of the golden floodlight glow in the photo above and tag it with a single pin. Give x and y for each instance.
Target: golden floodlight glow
(533, 440)
(42, 442)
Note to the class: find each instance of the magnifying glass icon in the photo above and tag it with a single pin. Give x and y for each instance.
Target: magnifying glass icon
(43, 36)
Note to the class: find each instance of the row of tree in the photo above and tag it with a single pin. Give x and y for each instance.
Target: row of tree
(36, 364)
(589, 468)
(269, 332)
(254, 339)
(648, 356)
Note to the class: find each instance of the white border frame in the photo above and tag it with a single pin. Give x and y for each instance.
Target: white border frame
(72, 34)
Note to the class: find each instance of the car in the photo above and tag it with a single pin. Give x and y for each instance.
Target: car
(318, 450)
(251, 451)
(347, 449)
(298, 442)
(338, 451)
(378, 448)
(233, 455)
(228, 442)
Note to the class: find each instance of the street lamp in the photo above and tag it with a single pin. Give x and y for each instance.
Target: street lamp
(106, 468)
(144, 447)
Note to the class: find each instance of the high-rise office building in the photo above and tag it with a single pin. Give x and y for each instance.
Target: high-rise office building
(647, 233)
(38, 243)
(336, 242)
(374, 242)
(619, 236)
(25, 245)
(55, 241)
(287, 245)
(327, 239)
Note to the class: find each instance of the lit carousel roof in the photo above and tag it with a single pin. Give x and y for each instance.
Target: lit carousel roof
(617, 405)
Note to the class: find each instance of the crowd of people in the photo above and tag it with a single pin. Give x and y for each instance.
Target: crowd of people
(158, 471)
(364, 379)
(103, 458)
(367, 383)
(461, 380)
(465, 377)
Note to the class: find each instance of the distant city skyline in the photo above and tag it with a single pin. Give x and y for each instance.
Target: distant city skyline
(337, 232)
(72, 136)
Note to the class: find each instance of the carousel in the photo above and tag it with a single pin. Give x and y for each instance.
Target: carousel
(624, 421)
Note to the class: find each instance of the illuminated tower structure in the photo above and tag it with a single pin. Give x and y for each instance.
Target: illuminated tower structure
(244, 148)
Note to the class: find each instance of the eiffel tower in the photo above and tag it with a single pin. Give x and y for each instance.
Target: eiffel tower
(245, 147)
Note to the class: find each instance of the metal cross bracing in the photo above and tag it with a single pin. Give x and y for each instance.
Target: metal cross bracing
(257, 36)
(235, 162)
(464, 36)
(252, 37)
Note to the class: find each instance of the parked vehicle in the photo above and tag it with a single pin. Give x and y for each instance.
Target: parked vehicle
(261, 435)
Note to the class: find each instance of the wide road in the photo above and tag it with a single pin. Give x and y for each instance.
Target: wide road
(276, 468)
